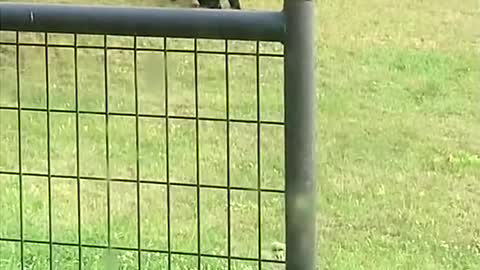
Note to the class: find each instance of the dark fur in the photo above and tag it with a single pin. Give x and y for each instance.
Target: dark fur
(215, 4)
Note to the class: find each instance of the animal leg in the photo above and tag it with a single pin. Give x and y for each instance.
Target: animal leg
(195, 3)
(234, 4)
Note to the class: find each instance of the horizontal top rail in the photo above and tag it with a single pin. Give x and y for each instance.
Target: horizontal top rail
(143, 21)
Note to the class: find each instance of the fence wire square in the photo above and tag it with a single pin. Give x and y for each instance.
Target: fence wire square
(142, 153)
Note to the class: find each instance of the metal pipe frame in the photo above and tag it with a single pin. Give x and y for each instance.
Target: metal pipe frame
(294, 27)
(143, 21)
(300, 186)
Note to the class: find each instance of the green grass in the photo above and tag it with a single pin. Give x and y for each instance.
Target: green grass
(398, 145)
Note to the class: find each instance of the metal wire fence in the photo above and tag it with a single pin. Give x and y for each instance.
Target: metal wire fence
(21, 173)
(154, 179)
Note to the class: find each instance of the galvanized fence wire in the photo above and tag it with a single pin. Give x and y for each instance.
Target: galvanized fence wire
(168, 183)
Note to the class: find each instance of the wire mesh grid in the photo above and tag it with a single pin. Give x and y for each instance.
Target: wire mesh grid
(183, 184)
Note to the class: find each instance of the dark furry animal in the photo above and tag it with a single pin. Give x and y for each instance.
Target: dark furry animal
(215, 4)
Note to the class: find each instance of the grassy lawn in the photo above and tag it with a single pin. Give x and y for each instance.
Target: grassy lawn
(398, 145)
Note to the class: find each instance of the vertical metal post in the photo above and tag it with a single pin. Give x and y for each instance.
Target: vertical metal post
(300, 135)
